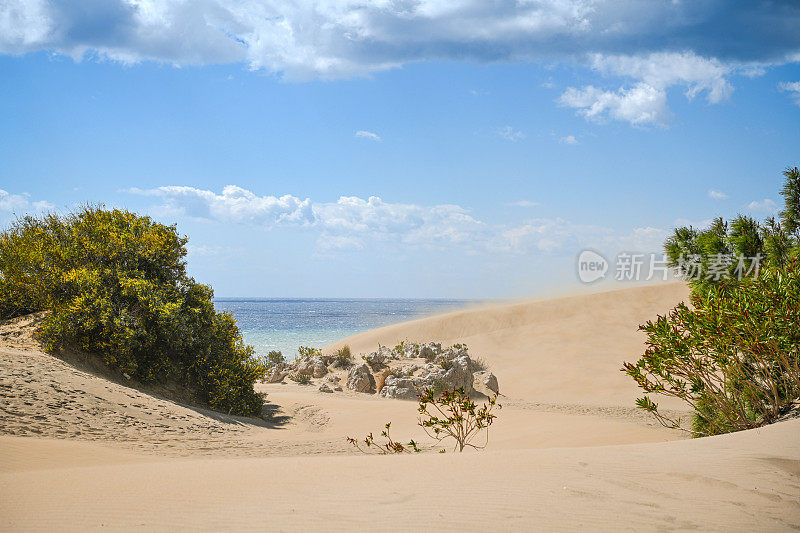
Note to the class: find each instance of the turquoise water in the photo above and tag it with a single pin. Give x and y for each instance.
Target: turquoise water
(286, 323)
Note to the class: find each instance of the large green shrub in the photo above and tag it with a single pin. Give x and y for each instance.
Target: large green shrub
(733, 355)
(115, 284)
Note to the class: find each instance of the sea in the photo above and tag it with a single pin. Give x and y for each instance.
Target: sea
(284, 324)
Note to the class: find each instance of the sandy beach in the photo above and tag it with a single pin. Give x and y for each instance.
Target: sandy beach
(80, 451)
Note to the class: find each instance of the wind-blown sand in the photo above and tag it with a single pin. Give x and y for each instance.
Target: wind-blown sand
(79, 451)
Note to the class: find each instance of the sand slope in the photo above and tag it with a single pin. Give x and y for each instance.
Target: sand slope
(744, 482)
(563, 350)
(79, 451)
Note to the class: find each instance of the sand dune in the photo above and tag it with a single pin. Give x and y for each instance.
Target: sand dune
(563, 350)
(80, 451)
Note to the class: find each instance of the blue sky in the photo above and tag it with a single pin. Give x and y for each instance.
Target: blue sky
(419, 149)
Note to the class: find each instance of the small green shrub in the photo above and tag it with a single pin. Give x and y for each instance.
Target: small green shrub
(479, 364)
(446, 364)
(304, 352)
(343, 357)
(300, 378)
(449, 415)
(115, 284)
(453, 415)
(275, 358)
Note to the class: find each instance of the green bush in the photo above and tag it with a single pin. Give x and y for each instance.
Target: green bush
(307, 351)
(274, 358)
(453, 415)
(343, 357)
(300, 378)
(732, 356)
(115, 284)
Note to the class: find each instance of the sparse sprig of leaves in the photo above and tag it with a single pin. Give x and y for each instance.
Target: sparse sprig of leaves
(389, 446)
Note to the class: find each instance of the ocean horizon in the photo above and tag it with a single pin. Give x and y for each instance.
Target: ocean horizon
(284, 324)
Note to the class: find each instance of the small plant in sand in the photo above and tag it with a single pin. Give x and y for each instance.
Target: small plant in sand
(387, 447)
(275, 358)
(479, 364)
(300, 378)
(453, 415)
(304, 352)
(344, 357)
(449, 415)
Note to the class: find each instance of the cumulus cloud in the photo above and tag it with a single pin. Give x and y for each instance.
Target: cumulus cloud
(510, 134)
(235, 204)
(352, 222)
(368, 135)
(793, 88)
(654, 46)
(763, 206)
(569, 139)
(300, 39)
(646, 101)
(21, 203)
(640, 105)
(717, 195)
(663, 70)
(357, 218)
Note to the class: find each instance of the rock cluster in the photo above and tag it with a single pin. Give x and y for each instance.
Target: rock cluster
(403, 371)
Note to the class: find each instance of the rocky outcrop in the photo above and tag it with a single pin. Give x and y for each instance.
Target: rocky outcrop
(447, 375)
(360, 379)
(401, 372)
(401, 388)
(485, 382)
(319, 369)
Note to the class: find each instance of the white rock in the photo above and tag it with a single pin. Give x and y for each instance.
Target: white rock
(485, 382)
(360, 379)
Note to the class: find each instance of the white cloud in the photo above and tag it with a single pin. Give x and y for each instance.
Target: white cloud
(717, 195)
(793, 88)
(510, 134)
(340, 38)
(663, 70)
(646, 101)
(640, 105)
(764, 206)
(352, 222)
(646, 239)
(21, 203)
(373, 218)
(569, 139)
(368, 135)
(656, 45)
(235, 204)
(548, 235)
